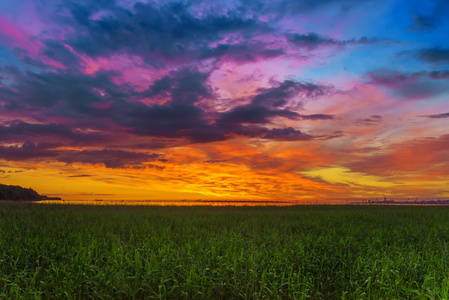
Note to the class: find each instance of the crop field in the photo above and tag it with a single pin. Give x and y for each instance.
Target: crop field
(300, 252)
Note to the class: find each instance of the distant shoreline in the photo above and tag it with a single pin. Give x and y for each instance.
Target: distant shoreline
(223, 203)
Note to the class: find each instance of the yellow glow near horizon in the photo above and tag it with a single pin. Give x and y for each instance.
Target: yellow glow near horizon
(344, 175)
(177, 181)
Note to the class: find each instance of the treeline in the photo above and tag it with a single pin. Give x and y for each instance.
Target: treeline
(15, 192)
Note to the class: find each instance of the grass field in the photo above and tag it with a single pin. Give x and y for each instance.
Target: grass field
(318, 252)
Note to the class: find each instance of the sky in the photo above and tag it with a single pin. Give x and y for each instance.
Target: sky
(241, 100)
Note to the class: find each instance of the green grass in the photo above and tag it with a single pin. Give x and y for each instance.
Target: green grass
(317, 252)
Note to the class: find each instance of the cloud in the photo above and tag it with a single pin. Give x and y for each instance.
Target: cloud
(317, 117)
(181, 118)
(77, 100)
(171, 34)
(110, 158)
(242, 53)
(255, 114)
(17, 131)
(370, 121)
(410, 157)
(59, 52)
(432, 20)
(439, 75)
(171, 121)
(160, 34)
(215, 161)
(301, 7)
(434, 55)
(310, 41)
(422, 23)
(54, 103)
(107, 157)
(313, 40)
(69, 94)
(184, 86)
(280, 94)
(138, 85)
(438, 116)
(286, 134)
(414, 86)
(28, 151)
(276, 101)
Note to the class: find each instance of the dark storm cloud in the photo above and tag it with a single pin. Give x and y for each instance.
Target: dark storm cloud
(110, 158)
(438, 116)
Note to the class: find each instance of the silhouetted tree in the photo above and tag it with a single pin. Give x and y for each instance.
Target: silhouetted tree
(15, 192)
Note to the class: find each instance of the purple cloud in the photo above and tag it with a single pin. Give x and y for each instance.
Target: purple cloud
(438, 116)
(413, 86)
(28, 151)
(313, 40)
(110, 158)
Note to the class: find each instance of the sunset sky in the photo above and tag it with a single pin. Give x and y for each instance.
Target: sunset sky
(289, 100)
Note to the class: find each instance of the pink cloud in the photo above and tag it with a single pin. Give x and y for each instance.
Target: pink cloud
(11, 30)
(102, 105)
